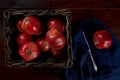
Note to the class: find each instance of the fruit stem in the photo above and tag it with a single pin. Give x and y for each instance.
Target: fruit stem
(28, 52)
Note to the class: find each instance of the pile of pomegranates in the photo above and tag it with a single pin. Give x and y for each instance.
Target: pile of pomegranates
(31, 46)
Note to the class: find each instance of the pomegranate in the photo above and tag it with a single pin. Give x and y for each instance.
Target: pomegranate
(29, 51)
(57, 24)
(55, 39)
(31, 25)
(22, 38)
(43, 44)
(102, 39)
(19, 25)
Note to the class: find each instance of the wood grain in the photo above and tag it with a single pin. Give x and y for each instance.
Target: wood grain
(60, 4)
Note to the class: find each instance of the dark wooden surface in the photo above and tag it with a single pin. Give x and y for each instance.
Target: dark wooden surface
(60, 3)
(106, 11)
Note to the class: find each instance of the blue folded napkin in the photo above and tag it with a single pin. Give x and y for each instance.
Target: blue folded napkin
(107, 61)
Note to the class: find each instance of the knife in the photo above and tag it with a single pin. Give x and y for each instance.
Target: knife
(90, 53)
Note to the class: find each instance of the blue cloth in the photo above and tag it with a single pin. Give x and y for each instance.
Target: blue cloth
(107, 61)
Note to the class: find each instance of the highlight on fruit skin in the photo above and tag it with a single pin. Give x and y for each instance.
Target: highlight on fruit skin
(102, 39)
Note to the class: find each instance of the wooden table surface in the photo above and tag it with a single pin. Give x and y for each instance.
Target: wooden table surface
(107, 12)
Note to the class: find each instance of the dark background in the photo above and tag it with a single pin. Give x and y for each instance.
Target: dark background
(106, 11)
